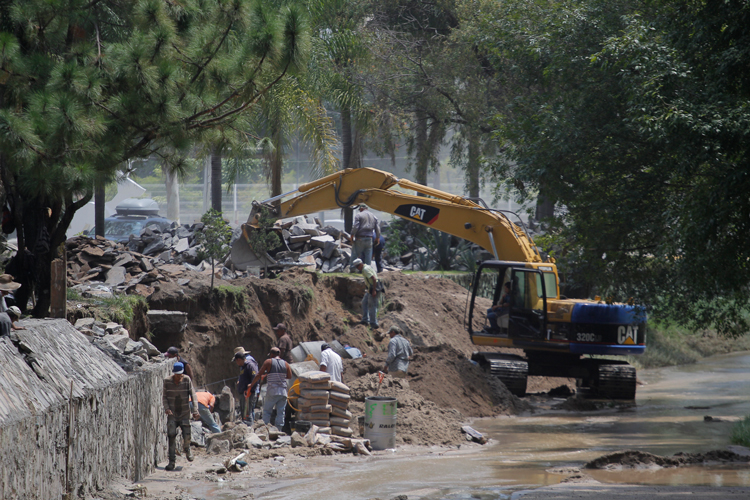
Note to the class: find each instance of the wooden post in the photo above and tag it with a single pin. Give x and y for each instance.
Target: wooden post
(59, 286)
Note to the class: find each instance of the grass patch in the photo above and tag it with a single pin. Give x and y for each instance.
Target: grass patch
(73, 294)
(120, 308)
(670, 345)
(439, 272)
(234, 293)
(741, 432)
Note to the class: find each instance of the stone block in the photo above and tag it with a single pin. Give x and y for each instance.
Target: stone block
(182, 245)
(298, 440)
(133, 347)
(197, 434)
(85, 323)
(119, 341)
(255, 441)
(320, 241)
(218, 447)
(299, 239)
(116, 276)
(329, 247)
(168, 322)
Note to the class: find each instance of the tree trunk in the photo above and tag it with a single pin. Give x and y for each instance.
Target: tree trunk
(216, 179)
(99, 201)
(346, 146)
(422, 147)
(473, 164)
(545, 207)
(172, 184)
(277, 163)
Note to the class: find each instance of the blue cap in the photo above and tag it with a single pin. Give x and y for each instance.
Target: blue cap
(178, 368)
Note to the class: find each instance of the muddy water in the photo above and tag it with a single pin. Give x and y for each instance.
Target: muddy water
(541, 449)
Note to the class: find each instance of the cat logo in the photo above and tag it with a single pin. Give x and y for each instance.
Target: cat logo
(627, 335)
(419, 213)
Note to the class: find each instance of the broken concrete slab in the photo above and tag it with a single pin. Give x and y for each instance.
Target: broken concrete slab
(116, 276)
(167, 322)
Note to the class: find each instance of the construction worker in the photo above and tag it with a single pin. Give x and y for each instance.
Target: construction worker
(178, 391)
(365, 223)
(277, 371)
(370, 299)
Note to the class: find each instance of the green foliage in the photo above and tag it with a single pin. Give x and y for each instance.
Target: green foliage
(633, 117)
(440, 255)
(236, 294)
(96, 84)
(741, 432)
(121, 308)
(671, 343)
(303, 298)
(214, 238)
(264, 238)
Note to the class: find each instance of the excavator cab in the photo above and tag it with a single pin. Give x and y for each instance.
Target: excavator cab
(519, 300)
(528, 304)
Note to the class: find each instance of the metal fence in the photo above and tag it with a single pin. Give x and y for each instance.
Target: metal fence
(236, 204)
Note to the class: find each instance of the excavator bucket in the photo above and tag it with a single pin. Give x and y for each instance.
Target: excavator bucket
(243, 255)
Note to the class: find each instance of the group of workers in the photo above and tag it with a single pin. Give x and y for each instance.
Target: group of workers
(180, 397)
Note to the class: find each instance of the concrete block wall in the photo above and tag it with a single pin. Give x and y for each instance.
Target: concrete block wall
(52, 444)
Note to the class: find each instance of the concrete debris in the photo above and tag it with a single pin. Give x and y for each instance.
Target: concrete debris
(115, 341)
(198, 434)
(218, 447)
(100, 268)
(167, 322)
(473, 435)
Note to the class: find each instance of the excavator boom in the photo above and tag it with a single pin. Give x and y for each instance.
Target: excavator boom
(456, 215)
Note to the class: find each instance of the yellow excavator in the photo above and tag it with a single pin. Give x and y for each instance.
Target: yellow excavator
(559, 336)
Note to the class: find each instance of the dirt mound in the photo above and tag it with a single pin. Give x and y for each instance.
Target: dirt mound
(443, 375)
(419, 421)
(443, 388)
(632, 459)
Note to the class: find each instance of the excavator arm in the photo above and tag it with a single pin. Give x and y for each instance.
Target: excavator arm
(491, 229)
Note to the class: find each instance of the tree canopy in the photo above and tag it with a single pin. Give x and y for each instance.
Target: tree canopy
(630, 117)
(88, 85)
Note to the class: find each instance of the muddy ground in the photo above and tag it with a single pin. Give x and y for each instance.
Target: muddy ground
(443, 391)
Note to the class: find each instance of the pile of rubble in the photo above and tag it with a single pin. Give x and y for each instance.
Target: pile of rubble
(262, 436)
(115, 341)
(313, 246)
(97, 267)
(306, 242)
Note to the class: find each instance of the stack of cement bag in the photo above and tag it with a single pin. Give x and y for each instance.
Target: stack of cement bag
(324, 403)
(313, 399)
(340, 415)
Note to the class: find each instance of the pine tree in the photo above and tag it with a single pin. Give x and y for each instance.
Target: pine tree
(85, 86)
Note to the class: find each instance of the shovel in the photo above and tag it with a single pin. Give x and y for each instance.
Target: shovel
(381, 376)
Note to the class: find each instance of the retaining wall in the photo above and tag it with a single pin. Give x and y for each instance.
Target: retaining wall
(51, 443)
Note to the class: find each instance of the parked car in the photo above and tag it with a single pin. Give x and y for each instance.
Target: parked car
(131, 217)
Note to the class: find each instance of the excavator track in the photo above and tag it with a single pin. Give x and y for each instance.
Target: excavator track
(513, 371)
(615, 381)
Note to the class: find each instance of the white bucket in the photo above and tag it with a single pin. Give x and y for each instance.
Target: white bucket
(380, 422)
